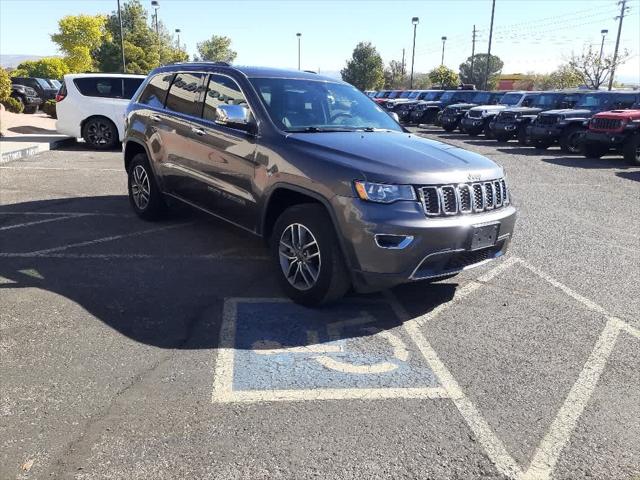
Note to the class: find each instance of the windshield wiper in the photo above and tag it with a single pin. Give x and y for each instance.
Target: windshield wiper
(319, 130)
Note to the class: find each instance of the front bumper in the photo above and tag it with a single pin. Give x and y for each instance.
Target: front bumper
(472, 124)
(439, 246)
(606, 138)
(500, 128)
(544, 133)
(32, 101)
(450, 120)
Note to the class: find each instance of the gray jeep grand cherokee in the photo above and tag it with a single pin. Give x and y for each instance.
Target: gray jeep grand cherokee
(343, 195)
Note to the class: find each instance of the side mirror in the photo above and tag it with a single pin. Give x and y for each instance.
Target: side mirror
(395, 116)
(234, 116)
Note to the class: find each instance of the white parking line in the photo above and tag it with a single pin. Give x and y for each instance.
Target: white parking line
(110, 238)
(119, 170)
(70, 214)
(37, 222)
(134, 256)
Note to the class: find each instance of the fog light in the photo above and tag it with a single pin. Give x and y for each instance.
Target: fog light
(393, 242)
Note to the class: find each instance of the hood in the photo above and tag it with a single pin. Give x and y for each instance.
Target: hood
(492, 107)
(462, 105)
(397, 157)
(524, 110)
(573, 112)
(619, 114)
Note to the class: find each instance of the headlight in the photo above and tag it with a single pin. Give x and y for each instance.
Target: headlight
(485, 113)
(382, 193)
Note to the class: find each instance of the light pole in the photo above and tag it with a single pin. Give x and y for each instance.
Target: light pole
(178, 33)
(604, 34)
(444, 39)
(156, 5)
(124, 65)
(298, 35)
(623, 10)
(414, 21)
(486, 75)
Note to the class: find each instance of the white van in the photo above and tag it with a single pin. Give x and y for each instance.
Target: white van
(92, 106)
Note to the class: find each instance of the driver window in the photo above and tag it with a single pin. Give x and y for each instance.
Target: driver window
(221, 90)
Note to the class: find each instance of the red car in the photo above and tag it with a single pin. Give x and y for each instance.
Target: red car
(616, 129)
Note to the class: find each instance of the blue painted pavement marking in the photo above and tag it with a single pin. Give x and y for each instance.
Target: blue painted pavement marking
(283, 346)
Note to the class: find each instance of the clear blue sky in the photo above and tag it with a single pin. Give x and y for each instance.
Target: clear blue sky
(529, 35)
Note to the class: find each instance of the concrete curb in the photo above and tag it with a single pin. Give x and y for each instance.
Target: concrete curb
(33, 149)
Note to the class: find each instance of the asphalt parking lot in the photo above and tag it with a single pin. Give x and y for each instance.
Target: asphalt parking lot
(160, 351)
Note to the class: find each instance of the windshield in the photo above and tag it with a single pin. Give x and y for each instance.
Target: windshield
(43, 83)
(381, 94)
(447, 96)
(592, 101)
(406, 94)
(394, 94)
(481, 98)
(314, 106)
(430, 96)
(545, 100)
(54, 83)
(414, 94)
(510, 99)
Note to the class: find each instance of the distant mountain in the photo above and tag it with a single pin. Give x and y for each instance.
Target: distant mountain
(12, 61)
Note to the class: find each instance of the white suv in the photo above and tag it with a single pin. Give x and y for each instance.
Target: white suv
(92, 106)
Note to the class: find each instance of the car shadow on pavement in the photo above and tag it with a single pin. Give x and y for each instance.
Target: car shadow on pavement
(30, 130)
(634, 176)
(589, 163)
(172, 298)
(528, 151)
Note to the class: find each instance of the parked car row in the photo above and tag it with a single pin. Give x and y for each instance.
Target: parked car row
(580, 121)
(32, 92)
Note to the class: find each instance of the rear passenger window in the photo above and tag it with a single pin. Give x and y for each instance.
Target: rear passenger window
(221, 89)
(109, 87)
(130, 86)
(184, 93)
(156, 90)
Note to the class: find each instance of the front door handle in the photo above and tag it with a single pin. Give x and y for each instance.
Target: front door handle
(155, 118)
(197, 131)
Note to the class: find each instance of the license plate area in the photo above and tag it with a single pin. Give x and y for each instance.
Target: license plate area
(484, 236)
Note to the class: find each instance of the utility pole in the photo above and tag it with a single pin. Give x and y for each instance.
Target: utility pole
(604, 34)
(414, 21)
(473, 51)
(298, 35)
(124, 65)
(623, 9)
(444, 39)
(486, 77)
(403, 69)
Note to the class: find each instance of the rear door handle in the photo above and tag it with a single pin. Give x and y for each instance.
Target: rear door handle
(155, 118)
(197, 131)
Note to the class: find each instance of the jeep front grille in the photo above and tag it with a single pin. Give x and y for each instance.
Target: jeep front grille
(546, 120)
(507, 116)
(605, 124)
(475, 113)
(445, 200)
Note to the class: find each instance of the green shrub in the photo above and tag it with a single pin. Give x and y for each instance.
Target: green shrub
(49, 107)
(12, 105)
(5, 85)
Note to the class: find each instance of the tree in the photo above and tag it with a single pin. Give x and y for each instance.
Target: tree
(365, 69)
(5, 84)
(394, 75)
(421, 81)
(48, 67)
(478, 75)
(216, 49)
(144, 50)
(592, 70)
(563, 77)
(78, 38)
(443, 77)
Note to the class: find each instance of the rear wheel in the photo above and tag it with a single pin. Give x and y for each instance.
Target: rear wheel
(570, 139)
(631, 149)
(523, 138)
(144, 195)
(100, 133)
(541, 144)
(448, 128)
(305, 250)
(501, 137)
(487, 131)
(594, 150)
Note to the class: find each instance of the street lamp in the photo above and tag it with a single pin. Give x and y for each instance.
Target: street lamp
(156, 5)
(604, 34)
(178, 33)
(298, 35)
(414, 21)
(444, 39)
(124, 64)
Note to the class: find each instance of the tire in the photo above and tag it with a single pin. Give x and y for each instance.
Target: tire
(31, 109)
(487, 131)
(100, 133)
(594, 150)
(139, 175)
(501, 137)
(631, 149)
(332, 280)
(448, 128)
(473, 133)
(570, 139)
(523, 138)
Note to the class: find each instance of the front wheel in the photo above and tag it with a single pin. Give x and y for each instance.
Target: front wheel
(305, 250)
(500, 137)
(448, 128)
(570, 140)
(487, 131)
(541, 144)
(523, 138)
(631, 149)
(594, 150)
(100, 133)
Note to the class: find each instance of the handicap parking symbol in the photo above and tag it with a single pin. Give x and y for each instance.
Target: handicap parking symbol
(272, 349)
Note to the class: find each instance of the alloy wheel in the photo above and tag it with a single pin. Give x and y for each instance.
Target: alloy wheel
(99, 133)
(300, 258)
(140, 187)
